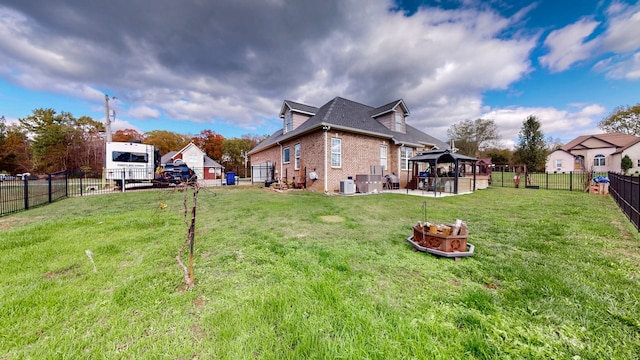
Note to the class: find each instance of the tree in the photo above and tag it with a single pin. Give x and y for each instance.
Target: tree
(127, 135)
(234, 149)
(14, 149)
(211, 143)
(622, 119)
(531, 149)
(626, 164)
(166, 141)
(472, 136)
(60, 140)
(498, 156)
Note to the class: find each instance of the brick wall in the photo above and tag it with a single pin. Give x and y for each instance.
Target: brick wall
(359, 152)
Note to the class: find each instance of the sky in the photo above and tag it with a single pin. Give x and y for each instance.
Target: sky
(227, 66)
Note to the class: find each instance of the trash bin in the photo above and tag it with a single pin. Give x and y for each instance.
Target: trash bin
(231, 178)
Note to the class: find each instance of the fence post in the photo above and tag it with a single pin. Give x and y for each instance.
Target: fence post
(50, 188)
(26, 192)
(570, 180)
(547, 180)
(81, 175)
(124, 174)
(66, 183)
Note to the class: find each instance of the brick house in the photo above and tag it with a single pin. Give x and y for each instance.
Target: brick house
(341, 139)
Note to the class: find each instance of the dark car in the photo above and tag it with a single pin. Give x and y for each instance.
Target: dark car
(176, 173)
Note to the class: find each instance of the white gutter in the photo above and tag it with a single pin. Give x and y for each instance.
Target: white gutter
(280, 174)
(326, 129)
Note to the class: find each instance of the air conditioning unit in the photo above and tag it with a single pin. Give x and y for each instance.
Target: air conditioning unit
(347, 187)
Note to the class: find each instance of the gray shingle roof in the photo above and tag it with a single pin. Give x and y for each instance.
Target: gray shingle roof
(349, 115)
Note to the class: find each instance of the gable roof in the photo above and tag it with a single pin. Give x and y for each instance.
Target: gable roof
(617, 140)
(297, 107)
(208, 162)
(348, 115)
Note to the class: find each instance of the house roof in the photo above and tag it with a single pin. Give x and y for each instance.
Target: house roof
(347, 115)
(617, 140)
(294, 106)
(208, 162)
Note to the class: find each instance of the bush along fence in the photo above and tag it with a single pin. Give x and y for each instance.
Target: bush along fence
(625, 190)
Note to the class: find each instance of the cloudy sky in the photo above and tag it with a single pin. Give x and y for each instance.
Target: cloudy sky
(227, 66)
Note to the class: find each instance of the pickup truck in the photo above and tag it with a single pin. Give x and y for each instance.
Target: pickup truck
(176, 173)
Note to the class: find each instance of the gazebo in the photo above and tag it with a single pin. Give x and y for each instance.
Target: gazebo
(442, 170)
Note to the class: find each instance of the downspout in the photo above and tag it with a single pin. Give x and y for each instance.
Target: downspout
(280, 174)
(326, 129)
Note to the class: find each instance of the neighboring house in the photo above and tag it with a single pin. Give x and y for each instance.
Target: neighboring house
(196, 159)
(341, 139)
(599, 153)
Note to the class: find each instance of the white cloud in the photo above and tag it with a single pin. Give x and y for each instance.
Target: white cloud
(143, 112)
(581, 119)
(567, 45)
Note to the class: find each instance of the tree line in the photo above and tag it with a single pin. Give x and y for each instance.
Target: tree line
(480, 138)
(47, 141)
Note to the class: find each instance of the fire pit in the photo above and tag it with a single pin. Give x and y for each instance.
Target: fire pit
(441, 239)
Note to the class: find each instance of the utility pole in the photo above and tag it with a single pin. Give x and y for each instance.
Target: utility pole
(108, 115)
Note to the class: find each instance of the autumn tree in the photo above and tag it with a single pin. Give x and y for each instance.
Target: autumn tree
(531, 149)
(59, 139)
(166, 141)
(211, 143)
(472, 136)
(14, 149)
(622, 119)
(127, 135)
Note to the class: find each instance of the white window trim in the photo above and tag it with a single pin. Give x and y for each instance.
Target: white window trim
(296, 155)
(288, 121)
(284, 159)
(404, 162)
(398, 125)
(339, 152)
(599, 160)
(384, 156)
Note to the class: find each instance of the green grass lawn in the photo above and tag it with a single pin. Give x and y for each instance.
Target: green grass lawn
(302, 275)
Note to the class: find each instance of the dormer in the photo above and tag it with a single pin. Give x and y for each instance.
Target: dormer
(393, 116)
(294, 114)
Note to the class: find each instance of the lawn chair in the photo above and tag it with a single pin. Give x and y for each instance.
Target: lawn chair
(438, 185)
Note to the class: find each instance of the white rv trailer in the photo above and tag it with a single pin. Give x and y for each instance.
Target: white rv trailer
(133, 163)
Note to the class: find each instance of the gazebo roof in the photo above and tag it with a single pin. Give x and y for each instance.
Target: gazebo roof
(439, 156)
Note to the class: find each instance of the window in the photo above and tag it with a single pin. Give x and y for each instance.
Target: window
(405, 154)
(559, 163)
(336, 152)
(598, 160)
(288, 121)
(297, 156)
(399, 121)
(383, 156)
(638, 163)
(286, 155)
(123, 156)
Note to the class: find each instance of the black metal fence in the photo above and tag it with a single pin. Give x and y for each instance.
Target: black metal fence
(625, 190)
(568, 181)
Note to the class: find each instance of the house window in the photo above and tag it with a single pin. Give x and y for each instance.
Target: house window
(598, 160)
(399, 121)
(383, 156)
(336, 152)
(405, 154)
(286, 155)
(297, 156)
(638, 163)
(288, 121)
(559, 163)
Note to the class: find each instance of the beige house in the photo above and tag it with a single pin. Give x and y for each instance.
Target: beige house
(599, 153)
(204, 167)
(319, 147)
